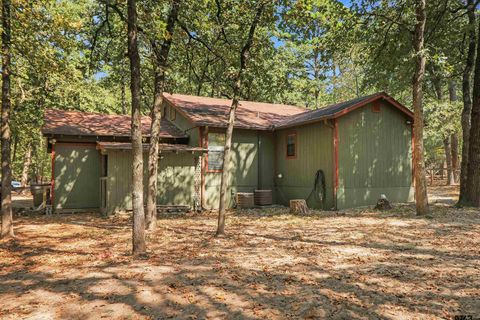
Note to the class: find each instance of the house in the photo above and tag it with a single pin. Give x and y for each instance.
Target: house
(344, 155)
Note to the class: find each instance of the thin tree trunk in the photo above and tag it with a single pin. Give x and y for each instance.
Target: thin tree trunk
(156, 114)
(455, 158)
(15, 145)
(473, 183)
(467, 101)
(437, 84)
(6, 198)
(448, 160)
(421, 197)
(124, 99)
(138, 233)
(244, 56)
(452, 92)
(26, 166)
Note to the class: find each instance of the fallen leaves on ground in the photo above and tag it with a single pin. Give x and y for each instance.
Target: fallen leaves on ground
(355, 264)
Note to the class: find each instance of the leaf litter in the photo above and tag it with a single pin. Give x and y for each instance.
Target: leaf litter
(356, 264)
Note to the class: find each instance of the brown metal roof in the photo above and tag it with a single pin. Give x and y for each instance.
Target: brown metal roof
(204, 111)
(339, 109)
(75, 123)
(164, 147)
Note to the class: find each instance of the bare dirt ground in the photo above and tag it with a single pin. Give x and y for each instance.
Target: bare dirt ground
(357, 264)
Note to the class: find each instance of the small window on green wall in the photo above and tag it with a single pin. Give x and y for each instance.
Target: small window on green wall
(291, 143)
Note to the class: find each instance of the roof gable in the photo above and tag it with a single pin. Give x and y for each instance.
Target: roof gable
(340, 109)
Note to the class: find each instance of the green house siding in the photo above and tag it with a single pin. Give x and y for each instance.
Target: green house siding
(175, 180)
(245, 174)
(374, 155)
(77, 174)
(314, 152)
(267, 161)
(185, 125)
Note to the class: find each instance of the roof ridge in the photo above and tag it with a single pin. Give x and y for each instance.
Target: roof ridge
(225, 99)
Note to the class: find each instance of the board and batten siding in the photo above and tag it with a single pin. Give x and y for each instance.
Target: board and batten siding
(250, 169)
(183, 124)
(245, 174)
(374, 157)
(77, 174)
(314, 145)
(176, 174)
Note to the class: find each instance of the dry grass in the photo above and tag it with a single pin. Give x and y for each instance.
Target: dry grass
(357, 264)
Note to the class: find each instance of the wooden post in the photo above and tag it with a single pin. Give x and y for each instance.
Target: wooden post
(298, 206)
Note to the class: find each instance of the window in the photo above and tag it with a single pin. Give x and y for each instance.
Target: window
(376, 107)
(292, 145)
(216, 144)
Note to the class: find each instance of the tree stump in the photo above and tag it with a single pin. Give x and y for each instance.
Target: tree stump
(383, 203)
(298, 206)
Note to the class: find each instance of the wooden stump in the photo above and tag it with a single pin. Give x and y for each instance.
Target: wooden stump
(383, 203)
(298, 206)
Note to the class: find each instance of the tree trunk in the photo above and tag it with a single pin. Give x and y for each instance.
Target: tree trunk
(15, 145)
(138, 234)
(448, 160)
(455, 158)
(124, 98)
(421, 197)
(6, 198)
(452, 92)
(156, 114)
(244, 56)
(26, 166)
(467, 101)
(473, 183)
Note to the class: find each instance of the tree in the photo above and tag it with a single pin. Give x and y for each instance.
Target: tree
(421, 198)
(26, 165)
(138, 236)
(316, 32)
(467, 100)
(452, 93)
(438, 86)
(244, 57)
(473, 182)
(160, 65)
(6, 197)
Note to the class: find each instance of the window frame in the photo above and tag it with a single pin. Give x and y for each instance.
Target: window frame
(295, 143)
